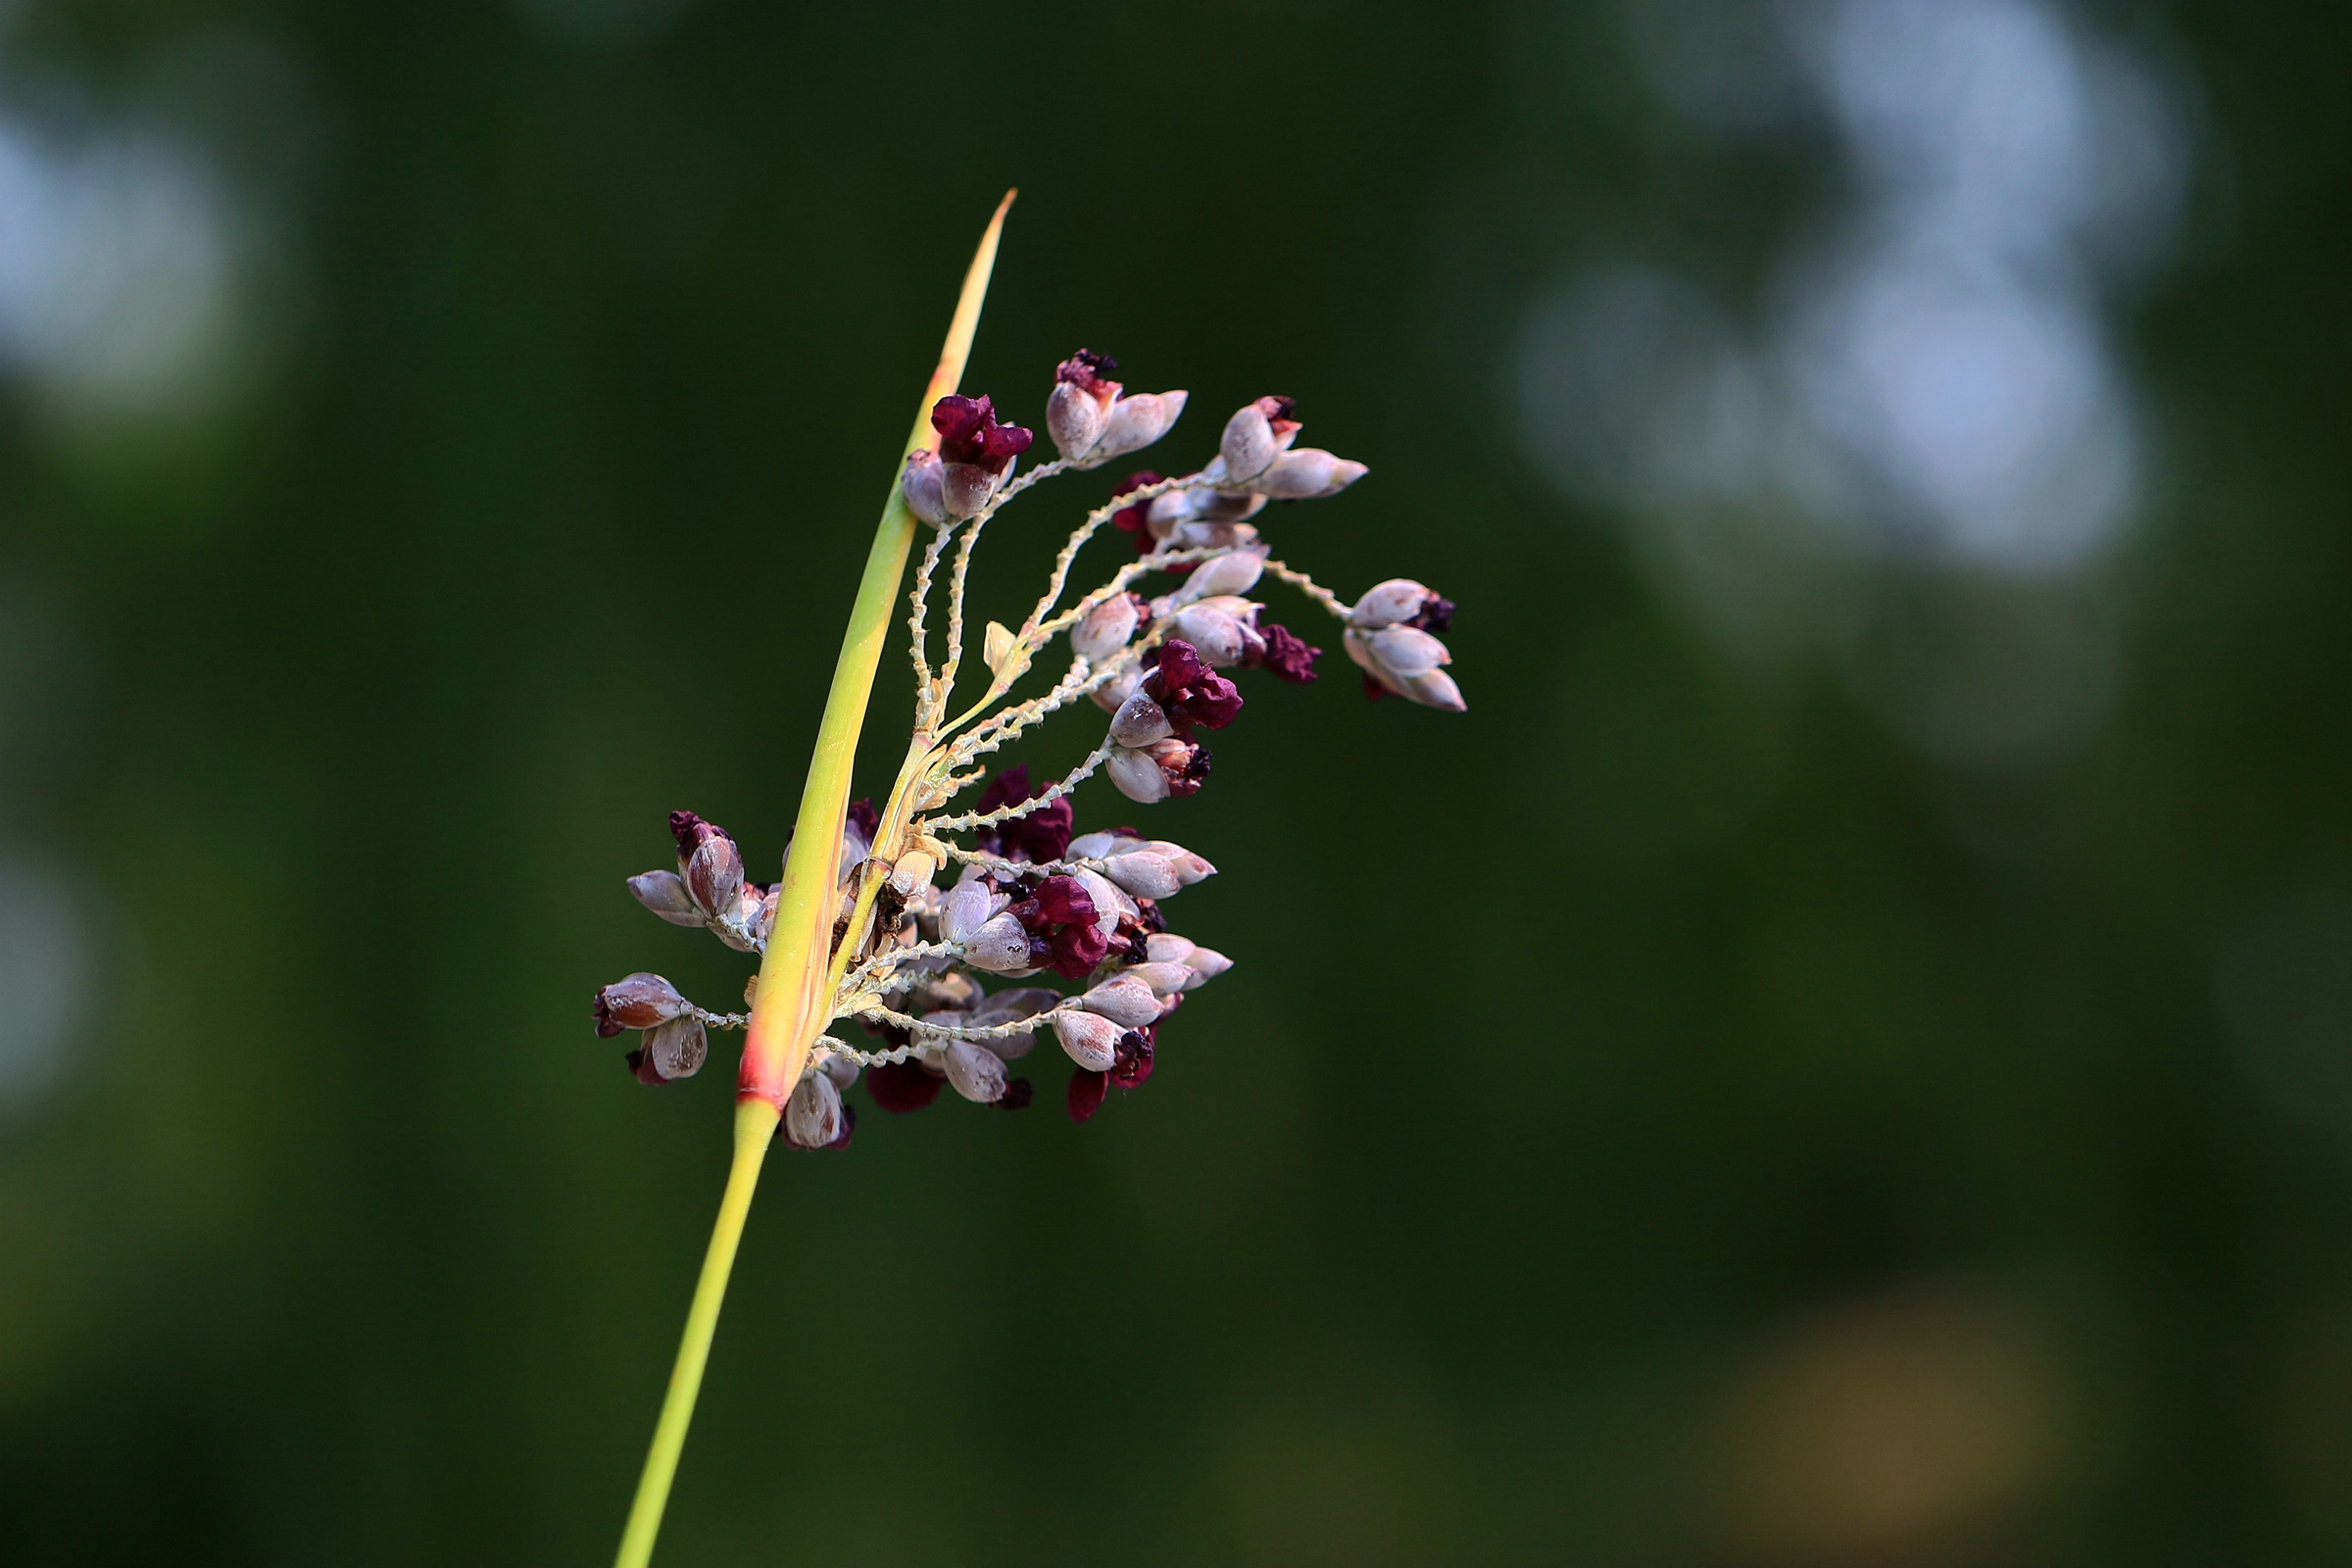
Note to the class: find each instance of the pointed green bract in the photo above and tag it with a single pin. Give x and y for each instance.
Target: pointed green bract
(791, 1007)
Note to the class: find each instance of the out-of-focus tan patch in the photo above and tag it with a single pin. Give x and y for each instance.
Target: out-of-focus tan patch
(1899, 1426)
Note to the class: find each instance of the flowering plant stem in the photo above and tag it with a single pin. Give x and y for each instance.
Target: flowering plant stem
(792, 1001)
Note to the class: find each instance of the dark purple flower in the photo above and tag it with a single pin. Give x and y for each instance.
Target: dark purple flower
(1289, 658)
(968, 432)
(1042, 835)
(1437, 614)
(1087, 1089)
(1189, 691)
(1059, 916)
(1008, 787)
(1065, 899)
(1136, 519)
(1180, 665)
(862, 816)
(900, 1087)
(1017, 1095)
(1213, 702)
(1075, 950)
(1373, 689)
(1134, 1064)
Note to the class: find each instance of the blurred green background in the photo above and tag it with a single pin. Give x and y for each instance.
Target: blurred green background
(1845, 1052)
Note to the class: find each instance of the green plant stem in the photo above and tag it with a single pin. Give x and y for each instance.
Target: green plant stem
(754, 1126)
(793, 1003)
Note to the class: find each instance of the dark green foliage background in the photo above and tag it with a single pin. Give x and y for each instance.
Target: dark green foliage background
(1577, 1047)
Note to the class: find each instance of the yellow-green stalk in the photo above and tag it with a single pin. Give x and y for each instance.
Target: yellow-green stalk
(793, 1003)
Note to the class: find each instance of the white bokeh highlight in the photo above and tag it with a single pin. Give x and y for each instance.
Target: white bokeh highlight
(1932, 374)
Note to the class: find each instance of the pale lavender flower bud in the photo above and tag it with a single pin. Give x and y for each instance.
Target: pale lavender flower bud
(674, 1050)
(1240, 609)
(1164, 979)
(1431, 687)
(966, 487)
(975, 1073)
(1167, 510)
(1081, 401)
(1113, 693)
(920, 483)
(1107, 628)
(1190, 867)
(665, 893)
(1212, 535)
(1181, 765)
(1091, 1040)
(1142, 873)
(638, 1002)
(1408, 650)
(1110, 902)
(1255, 435)
(714, 873)
(999, 946)
(1074, 414)
(1308, 474)
(1207, 965)
(1134, 424)
(964, 909)
(1166, 947)
(1390, 604)
(1123, 999)
(739, 927)
(840, 1068)
(1214, 633)
(1141, 722)
(1012, 1006)
(913, 870)
(1137, 775)
(1192, 519)
(1437, 689)
(1236, 574)
(1091, 845)
(813, 1116)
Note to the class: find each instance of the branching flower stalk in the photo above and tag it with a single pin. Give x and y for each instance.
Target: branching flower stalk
(860, 928)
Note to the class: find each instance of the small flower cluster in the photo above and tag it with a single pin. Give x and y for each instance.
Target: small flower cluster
(708, 889)
(1389, 634)
(975, 456)
(912, 957)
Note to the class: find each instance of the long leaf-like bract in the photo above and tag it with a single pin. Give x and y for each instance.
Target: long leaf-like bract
(793, 1003)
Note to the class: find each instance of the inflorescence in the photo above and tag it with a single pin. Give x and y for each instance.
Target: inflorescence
(1032, 896)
